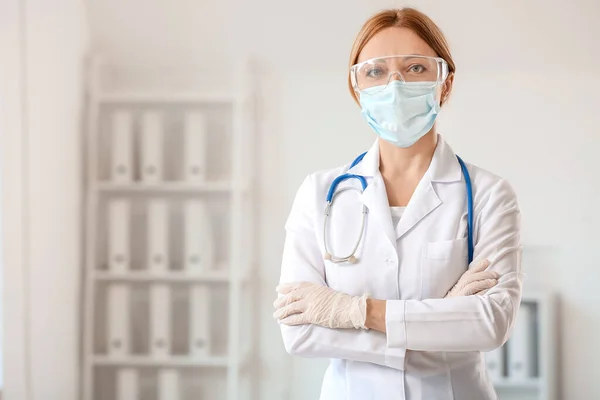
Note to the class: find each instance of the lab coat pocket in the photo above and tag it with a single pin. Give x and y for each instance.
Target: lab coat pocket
(443, 263)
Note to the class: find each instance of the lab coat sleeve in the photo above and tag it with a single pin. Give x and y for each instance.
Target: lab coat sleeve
(303, 261)
(469, 323)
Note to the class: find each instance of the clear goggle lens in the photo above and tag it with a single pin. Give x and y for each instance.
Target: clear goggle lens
(379, 72)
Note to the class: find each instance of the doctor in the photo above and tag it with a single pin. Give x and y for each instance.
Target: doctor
(379, 280)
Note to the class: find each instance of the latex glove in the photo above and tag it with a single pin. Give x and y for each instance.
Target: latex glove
(308, 303)
(475, 281)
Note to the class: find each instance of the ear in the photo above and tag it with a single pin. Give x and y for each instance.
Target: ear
(447, 88)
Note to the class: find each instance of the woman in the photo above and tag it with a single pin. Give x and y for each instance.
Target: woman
(401, 315)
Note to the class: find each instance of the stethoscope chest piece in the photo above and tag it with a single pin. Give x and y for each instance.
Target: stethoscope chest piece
(352, 259)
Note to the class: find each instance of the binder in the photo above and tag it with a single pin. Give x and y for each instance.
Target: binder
(494, 361)
(195, 147)
(152, 138)
(168, 385)
(121, 162)
(199, 321)
(198, 239)
(521, 345)
(118, 320)
(160, 320)
(180, 321)
(119, 236)
(128, 387)
(158, 236)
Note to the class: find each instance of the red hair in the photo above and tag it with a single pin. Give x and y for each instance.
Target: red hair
(409, 18)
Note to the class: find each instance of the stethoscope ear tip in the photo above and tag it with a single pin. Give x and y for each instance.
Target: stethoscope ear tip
(327, 256)
(352, 259)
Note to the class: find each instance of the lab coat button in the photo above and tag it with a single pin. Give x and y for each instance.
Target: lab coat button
(388, 260)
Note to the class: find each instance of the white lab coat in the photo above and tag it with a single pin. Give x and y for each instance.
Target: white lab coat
(432, 349)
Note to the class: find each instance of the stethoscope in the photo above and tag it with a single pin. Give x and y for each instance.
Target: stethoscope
(363, 182)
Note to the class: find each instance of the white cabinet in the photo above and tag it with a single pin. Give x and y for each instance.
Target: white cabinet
(169, 242)
(524, 368)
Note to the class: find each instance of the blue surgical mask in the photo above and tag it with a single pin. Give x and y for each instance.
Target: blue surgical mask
(402, 112)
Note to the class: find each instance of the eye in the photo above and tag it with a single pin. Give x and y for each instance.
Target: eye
(375, 72)
(416, 69)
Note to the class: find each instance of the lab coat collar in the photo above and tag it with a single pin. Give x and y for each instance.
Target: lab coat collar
(369, 166)
(423, 201)
(444, 166)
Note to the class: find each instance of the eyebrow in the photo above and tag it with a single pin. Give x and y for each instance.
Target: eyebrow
(408, 57)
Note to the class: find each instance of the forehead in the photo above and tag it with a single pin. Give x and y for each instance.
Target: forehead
(395, 41)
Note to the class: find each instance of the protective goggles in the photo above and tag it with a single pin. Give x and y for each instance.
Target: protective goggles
(375, 74)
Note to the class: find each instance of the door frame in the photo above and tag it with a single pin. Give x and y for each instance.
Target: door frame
(14, 195)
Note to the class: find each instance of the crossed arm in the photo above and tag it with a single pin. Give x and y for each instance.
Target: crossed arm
(399, 325)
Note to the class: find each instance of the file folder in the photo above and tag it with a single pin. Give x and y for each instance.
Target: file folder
(494, 361)
(198, 239)
(118, 236)
(160, 320)
(128, 387)
(200, 321)
(158, 237)
(195, 147)
(521, 345)
(121, 161)
(152, 145)
(118, 319)
(168, 385)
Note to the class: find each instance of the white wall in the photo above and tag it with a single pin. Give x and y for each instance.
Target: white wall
(42, 181)
(524, 107)
(11, 131)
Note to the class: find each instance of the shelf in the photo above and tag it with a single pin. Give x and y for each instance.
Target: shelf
(173, 361)
(175, 276)
(157, 97)
(221, 274)
(165, 187)
(530, 384)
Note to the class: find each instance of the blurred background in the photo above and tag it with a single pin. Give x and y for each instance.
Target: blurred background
(151, 151)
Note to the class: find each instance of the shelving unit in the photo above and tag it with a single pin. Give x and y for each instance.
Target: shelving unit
(170, 257)
(140, 361)
(535, 375)
(217, 276)
(166, 97)
(171, 187)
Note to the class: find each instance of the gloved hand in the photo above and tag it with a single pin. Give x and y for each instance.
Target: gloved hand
(475, 281)
(308, 303)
